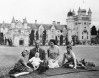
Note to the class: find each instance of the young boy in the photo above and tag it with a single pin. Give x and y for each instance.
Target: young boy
(35, 61)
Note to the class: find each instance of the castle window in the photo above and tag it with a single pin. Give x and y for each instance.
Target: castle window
(84, 23)
(79, 23)
(87, 37)
(82, 37)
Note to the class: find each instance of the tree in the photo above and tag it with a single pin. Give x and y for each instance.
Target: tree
(37, 35)
(56, 39)
(97, 37)
(31, 36)
(61, 39)
(74, 38)
(1, 38)
(93, 30)
(44, 37)
(66, 39)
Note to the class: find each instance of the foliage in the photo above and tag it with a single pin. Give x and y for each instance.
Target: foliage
(66, 39)
(44, 37)
(1, 38)
(93, 30)
(61, 39)
(31, 36)
(37, 35)
(56, 39)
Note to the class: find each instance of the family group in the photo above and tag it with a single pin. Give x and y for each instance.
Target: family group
(37, 59)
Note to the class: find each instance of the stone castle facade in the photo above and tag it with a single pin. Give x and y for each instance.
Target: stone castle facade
(79, 25)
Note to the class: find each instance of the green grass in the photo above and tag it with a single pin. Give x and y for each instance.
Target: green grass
(10, 55)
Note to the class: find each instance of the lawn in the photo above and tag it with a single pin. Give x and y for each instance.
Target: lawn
(9, 55)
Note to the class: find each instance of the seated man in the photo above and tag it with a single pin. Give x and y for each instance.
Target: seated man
(43, 66)
(53, 55)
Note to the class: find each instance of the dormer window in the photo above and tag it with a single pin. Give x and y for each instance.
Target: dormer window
(84, 23)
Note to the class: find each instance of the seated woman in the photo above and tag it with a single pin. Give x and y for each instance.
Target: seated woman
(70, 57)
(21, 68)
(35, 61)
(53, 55)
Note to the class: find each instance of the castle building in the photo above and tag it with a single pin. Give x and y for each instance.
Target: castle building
(18, 32)
(79, 25)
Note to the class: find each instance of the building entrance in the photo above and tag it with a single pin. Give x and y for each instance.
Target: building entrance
(21, 42)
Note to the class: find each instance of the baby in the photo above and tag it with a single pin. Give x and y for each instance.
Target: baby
(35, 61)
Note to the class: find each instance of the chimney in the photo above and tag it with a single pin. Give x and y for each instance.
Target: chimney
(54, 22)
(58, 23)
(35, 21)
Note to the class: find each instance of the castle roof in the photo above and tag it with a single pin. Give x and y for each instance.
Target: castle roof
(83, 10)
(13, 20)
(32, 25)
(70, 13)
(89, 11)
(46, 26)
(5, 25)
(73, 12)
(60, 27)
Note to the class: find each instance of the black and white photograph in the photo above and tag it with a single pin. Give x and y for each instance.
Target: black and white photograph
(49, 38)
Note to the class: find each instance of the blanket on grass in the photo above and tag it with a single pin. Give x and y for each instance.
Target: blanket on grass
(61, 71)
(53, 72)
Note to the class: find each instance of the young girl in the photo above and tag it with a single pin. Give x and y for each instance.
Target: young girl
(21, 67)
(35, 61)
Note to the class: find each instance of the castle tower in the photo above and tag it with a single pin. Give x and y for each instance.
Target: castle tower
(73, 12)
(81, 12)
(25, 23)
(84, 22)
(70, 25)
(79, 25)
(89, 14)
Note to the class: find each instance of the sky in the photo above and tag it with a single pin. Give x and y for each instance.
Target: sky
(46, 11)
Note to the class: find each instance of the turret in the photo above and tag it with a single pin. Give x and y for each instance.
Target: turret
(89, 12)
(79, 10)
(13, 22)
(70, 24)
(70, 19)
(73, 12)
(70, 14)
(25, 23)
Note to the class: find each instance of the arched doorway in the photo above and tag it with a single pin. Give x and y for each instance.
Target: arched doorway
(21, 42)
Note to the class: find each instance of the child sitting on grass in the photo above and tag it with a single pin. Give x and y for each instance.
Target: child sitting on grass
(35, 61)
